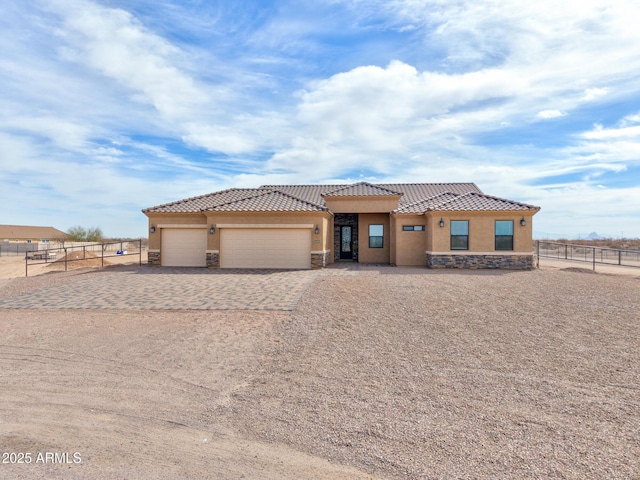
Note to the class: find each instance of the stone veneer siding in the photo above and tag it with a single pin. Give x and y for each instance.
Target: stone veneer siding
(343, 220)
(514, 262)
(213, 259)
(153, 258)
(320, 260)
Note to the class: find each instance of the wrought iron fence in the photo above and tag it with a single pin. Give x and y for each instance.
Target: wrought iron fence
(79, 253)
(586, 253)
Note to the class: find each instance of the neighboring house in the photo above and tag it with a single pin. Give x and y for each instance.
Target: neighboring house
(437, 225)
(22, 238)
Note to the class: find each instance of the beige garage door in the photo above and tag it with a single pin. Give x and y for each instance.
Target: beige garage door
(184, 247)
(265, 248)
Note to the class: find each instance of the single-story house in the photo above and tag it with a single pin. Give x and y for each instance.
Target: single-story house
(437, 225)
(23, 238)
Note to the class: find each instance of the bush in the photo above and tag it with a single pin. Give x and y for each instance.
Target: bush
(81, 234)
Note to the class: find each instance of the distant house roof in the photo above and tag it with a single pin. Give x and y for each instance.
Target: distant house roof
(19, 232)
(414, 198)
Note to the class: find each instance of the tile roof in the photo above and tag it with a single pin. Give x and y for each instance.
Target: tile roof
(415, 198)
(422, 206)
(30, 232)
(360, 189)
(411, 192)
(269, 201)
(473, 201)
(207, 202)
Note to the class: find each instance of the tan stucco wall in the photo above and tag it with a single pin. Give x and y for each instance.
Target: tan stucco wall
(171, 219)
(481, 231)
(362, 204)
(373, 255)
(410, 247)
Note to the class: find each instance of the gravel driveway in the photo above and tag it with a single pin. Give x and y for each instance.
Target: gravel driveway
(378, 372)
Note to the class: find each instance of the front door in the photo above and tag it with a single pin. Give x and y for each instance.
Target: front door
(346, 243)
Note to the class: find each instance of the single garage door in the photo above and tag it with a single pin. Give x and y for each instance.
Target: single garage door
(265, 248)
(184, 247)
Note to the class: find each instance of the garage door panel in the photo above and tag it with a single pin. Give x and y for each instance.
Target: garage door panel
(265, 248)
(184, 247)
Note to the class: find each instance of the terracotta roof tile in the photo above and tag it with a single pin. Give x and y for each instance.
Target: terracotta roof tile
(422, 206)
(473, 201)
(206, 202)
(360, 189)
(415, 198)
(269, 201)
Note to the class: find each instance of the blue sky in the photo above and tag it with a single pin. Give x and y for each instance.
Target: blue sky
(110, 107)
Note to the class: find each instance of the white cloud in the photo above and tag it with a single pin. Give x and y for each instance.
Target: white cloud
(600, 133)
(547, 114)
(593, 93)
(113, 42)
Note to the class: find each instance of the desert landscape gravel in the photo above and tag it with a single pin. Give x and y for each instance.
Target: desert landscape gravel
(379, 372)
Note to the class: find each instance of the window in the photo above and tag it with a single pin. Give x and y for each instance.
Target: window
(504, 234)
(413, 228)
(376, 233)
(459, 234)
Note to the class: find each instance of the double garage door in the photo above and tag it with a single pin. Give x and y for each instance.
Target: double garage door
(239, 247)
(265, 248)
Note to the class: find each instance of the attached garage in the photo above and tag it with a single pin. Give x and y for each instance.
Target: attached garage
(184, 247)
(265, 247)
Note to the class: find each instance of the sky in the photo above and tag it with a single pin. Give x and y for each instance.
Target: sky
(109, 107)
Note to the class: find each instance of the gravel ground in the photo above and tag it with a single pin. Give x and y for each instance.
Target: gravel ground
(389, 372)
(408, 374)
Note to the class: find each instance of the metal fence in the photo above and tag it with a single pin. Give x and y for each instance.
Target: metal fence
(586, 253)
(8, 249)
(84, 252)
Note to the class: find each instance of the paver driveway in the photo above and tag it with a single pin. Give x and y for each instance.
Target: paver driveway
(171, 289)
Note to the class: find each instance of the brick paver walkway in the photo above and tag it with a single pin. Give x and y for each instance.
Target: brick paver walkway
(173, 289)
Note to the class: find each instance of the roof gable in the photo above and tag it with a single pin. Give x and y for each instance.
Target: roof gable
(361, 189)
(473, 201)
(206, 202)
(422, 206)
(268, 201)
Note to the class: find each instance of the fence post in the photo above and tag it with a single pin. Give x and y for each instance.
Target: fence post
(26, 265)
(102, 254)
(65, 259)
(619, 257)
(594, 259)
(140, 251)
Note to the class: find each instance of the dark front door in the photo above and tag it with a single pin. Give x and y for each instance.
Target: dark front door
(346, 243)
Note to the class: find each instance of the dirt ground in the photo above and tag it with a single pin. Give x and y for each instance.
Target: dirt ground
(388, 373)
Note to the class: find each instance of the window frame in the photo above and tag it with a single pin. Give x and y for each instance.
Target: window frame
(381, 237)
(413, 228)
(453, 237)
(502, 237)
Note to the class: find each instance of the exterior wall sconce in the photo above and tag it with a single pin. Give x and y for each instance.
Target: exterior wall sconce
(212, 230)
(441, 223)
(317, 230)
(523, 222)
(153, 229)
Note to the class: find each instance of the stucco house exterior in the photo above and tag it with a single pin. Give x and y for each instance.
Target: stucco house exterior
(23, 238)
(435, 225)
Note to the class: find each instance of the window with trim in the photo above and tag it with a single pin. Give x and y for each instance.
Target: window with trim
(413, 228)
(376, 234)
(459, 234)
(504, 234)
